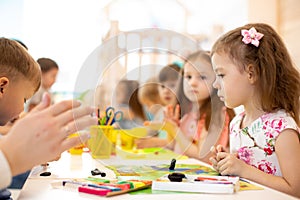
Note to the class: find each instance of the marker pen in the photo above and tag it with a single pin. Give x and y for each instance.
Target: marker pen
(213, 182)
(93, 190)
(105, 187)
(76, 184)
(69, 184)
(244, 180)
(202, 178)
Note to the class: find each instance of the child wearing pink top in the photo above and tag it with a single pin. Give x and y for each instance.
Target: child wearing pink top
(200, 119)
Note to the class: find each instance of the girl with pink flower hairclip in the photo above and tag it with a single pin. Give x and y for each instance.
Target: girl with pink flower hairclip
(255, 70)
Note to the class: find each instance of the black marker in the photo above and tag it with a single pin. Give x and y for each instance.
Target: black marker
(172, 165)
(98, 172)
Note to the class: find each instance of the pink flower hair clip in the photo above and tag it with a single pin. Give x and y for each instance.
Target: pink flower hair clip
(251, 36)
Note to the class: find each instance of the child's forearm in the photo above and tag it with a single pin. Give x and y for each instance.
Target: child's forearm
(188, 147)
(269, 180)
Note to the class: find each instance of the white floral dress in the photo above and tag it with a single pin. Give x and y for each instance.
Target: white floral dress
(255, 144)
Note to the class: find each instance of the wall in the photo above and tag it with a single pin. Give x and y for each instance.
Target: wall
(284, 16)
(289, 26)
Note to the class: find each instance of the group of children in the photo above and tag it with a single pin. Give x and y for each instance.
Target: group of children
(185, 100)
(248, 66)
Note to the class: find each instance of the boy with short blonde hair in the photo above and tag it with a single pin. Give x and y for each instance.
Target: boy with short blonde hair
(43, 134)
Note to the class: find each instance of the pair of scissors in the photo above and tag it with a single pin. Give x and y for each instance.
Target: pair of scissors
(113, 116)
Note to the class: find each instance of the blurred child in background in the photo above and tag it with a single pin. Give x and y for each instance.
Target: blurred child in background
(161, 94)
(200, 120)
(167, 78)
(149, 97)
(126, 100)
(49, 70)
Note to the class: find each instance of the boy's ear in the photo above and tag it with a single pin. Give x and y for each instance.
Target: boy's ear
(4, 81)
(251, 73)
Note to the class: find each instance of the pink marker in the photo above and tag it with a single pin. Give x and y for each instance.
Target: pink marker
(92, 190)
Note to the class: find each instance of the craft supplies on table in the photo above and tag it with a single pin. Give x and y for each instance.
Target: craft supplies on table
(102, 187)
(197, 184)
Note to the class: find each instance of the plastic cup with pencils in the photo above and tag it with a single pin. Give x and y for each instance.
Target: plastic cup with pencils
(99, 144)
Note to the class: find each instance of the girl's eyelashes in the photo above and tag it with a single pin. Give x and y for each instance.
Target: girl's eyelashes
(172, 85)
(203, 77)
(168, 86)
(220, 75)
(188, 77)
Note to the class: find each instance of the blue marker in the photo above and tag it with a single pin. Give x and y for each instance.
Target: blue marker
(113, 189)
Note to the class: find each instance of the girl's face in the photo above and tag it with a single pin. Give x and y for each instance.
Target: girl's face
(49, 78)
(13, 95)
(166, 91)
(197, 81)
(233, 86)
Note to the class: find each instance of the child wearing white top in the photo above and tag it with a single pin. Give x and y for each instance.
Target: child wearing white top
(254, 69)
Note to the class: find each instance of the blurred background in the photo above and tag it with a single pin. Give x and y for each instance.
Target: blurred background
(68, 31)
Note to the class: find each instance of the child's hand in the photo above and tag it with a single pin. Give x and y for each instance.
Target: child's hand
(43, 134)
(229, 164)
(213, 159)
(143, 143)
(167, 125)
(173, 115)
(55, 159)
